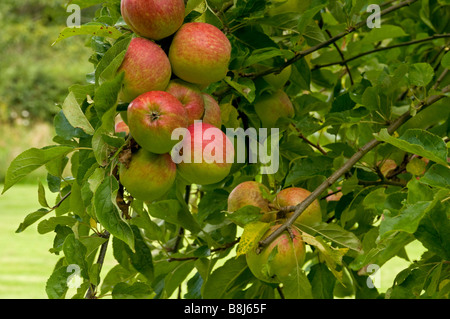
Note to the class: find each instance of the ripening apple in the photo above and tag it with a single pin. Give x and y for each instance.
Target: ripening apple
(190, 96)
(120, 126)
(147, 68)
(275, 266)
(205, 154)
(279, 80)
(293, 196)
(200, 53)
(250, 193)
(213, 114)
(148, 176)
(153, 19)
(271, 106)
(152, 117)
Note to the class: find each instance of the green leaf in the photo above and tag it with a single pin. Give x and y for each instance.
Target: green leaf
(445, 62)
(50, 224)
(407, 220)
(176, 276)
(137, 290)
(223, 278)
(75, 253)
(386, 31)
(437, 176)
(30, 160)
(41, 195)
(173, 212)
(56, 287)
(31, 219)
(191, 5)
(420, 74)
(418, 142)
(297, 286)
(99, 30)
(112, 60)
(244, 86)
(108, 214)
(106, 95)
(75, 116)
(306, 168)
(334, 233)
(434, 229)
(322, 281)
(245, 215)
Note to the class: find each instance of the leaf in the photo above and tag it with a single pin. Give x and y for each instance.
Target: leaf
(437, 176)
(30, 160)
(106, 95)
(407, 220)
(31, 219)
(112, 60)
(322, 281)
(173, 212)
(41, 195)
(445, 62)
(75, 116)
(418, 142)
(244, 86)
(420, 74)
(305, 168)
(245, 215)
(75, 253)
(56, 286)
(223, 278)
(50, 224)
(108, 214)
(334, 233)
(251, 235)
(385, 32)
(137, 290)
(175, 278)
(297, 285)
(99, 30)
(434, 229)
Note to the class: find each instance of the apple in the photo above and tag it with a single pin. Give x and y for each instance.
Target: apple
(200, 53)
(120, 126)
(213, 114)
(190, 96)
(275, 266)
(271, 106)
(293, 196)
(153, 19)
(152, 117)
(279, 80)
(205, 154)
(286, 6)
(148, 176)
(250, 193)
(147, 68)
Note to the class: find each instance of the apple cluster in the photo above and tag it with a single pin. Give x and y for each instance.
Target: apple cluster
(290, 247)
(163, 89)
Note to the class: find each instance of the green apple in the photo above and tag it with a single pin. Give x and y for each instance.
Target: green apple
(205, 154)
(148, 176)
(153, 19)
(271, 106)
(190, 96)
(152, 117)
(293, 196)
(147, 68)
(279, 258)
(200, 53)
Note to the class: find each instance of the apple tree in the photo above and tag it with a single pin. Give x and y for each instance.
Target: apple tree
(358, 94)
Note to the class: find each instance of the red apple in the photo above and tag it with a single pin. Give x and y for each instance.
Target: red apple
(212, 113)
(271, 106)
(121, 126)
(148, 176)
(205, 154)
(250, 193)
(190, 96)
(293, 196)
(153, 19)
(147, 68)
(279, 258)
(152, 117)
(200, 53)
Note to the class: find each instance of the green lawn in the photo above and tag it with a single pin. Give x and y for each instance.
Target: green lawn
(26, 263)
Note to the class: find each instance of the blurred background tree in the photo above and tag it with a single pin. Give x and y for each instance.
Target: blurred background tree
(34, 74)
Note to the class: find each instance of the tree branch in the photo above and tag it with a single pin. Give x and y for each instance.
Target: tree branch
(346, 167)
(100, 260)
(345, 61)
(299, 55)
(342, 57)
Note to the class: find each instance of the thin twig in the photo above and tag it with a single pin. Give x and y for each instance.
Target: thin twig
(342, 57)
(100, 260)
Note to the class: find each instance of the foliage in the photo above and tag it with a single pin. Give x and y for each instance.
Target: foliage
(363, 98)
